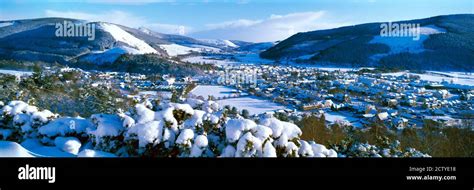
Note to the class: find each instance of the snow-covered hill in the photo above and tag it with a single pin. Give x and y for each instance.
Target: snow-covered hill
(444, 43)
(220, 43)
(122, 36)
(36, 40)
(175, 49)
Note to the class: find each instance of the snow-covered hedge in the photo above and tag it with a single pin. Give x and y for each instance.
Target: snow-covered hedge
(386, 149)
(195, 129)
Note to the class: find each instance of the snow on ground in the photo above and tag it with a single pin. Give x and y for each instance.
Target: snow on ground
(253, 104)
(68, 144)
(306, 57)
(338, 116)
(16, 73)
(225, 43)
(49, 151)
(396, 74)
(408, 44)
(3, 24)
(32, 148)
(148, 93)
(208, 60)
(13, 149)
(94, 153)
(121, 35)
(109, 55)
(175, 49)
(229, 43)
(401, 44)
(466, 75)
(431, 29)
(331, 69)
(435, 76)
(217, 91)
(206, 48)
(252, 58)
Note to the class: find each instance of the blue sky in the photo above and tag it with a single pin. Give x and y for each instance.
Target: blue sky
(249, 20)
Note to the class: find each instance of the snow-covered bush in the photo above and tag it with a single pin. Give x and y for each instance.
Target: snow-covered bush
(108, 132)
(174, 130)
(20, 121)
(65, 127)
(68, 144)
(386, 149)
(200, 144)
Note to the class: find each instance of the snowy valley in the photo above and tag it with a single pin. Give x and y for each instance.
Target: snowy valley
(134, 92)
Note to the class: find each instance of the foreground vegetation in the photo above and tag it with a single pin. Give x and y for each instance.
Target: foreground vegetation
(432, 138)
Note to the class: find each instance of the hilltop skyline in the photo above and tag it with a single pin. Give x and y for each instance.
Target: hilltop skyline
(255, 21)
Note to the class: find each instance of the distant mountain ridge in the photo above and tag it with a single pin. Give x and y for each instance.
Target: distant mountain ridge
(446, 43)
(35, 40)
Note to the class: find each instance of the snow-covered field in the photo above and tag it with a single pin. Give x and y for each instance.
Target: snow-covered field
(252, 58)
(408, 43)
(335, 117)
(175, 49)
(156, 94)
(226, 43)
(16, 73)
(206, 48)
(216, 91)
(331, 69)
(253, 104)
(239, 59)
(207, 60)
(434, 76)
(4, 24)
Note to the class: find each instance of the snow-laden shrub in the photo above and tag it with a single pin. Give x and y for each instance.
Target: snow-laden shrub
(386, 149)
(320, 150)
(235, 128)
(175, 130)
(20, 121)
(68, 144)
(108, 132)
(286, 137)
(200, 144)
(65, 127)
(248, 146)
(167, 130)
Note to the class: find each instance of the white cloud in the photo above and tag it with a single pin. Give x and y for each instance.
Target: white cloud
(120, 17)
(117, 17)
(169, 28)
(275, 27)
(233, 24)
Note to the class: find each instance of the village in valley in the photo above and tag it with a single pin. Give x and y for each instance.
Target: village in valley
(347, 97)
